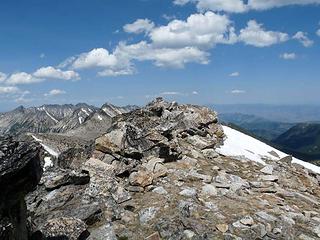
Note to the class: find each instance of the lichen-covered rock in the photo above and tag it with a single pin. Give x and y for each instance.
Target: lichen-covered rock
(62, 228)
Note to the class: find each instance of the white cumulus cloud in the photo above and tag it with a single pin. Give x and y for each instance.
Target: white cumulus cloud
(98, 57)
(116, 72)
(55, 92)
(22, 98)
(236, 6)
(254, 34)
(22, 78)
(302, 37)
(240, 6)
(173, 45)
(8, 90)
(238, 91)
(171, 93)
(3, 77)
(318, 32)
(288, 56)
(199, 30)
(268, 4)
(110, 64)
(181, 2)
(51, 72)
(139, 26)
(234, 74)
(161, 57)
(124, 55)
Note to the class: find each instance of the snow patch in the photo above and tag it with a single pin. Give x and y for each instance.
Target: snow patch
(112, 111)
(51, 116)
(108, 112)
(80, 120)
(44, 109)
(85, 111)
(37, 139)
(47, 163)
(243, 147)
(49, 150)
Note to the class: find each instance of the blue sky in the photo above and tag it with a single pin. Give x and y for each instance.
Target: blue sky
(129, 51)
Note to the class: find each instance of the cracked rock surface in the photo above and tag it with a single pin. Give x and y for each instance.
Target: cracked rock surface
(20, 172)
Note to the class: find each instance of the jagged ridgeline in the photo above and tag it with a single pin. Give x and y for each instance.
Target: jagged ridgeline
(170, 171)
(57, 118)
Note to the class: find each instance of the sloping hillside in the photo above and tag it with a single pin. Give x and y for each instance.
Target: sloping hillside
(302, 140)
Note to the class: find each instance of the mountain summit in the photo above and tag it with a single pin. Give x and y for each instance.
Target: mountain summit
(170, 171)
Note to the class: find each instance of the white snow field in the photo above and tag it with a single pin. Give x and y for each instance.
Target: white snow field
(47, 163)
(47, 160)
(243, 147)
(46, 147)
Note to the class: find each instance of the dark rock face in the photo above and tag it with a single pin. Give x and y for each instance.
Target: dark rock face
(74, 157)
(20, 172)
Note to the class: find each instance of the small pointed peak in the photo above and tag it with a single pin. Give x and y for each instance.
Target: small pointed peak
(20, 108)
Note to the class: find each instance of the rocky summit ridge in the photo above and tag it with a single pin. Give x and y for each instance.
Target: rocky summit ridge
(156, 174)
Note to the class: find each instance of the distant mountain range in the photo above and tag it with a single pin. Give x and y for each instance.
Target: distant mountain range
(57, 118)
(277, 113)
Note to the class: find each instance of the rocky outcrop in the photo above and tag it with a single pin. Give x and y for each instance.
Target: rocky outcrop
(155, 174)
(20, 172)
(162, 130)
